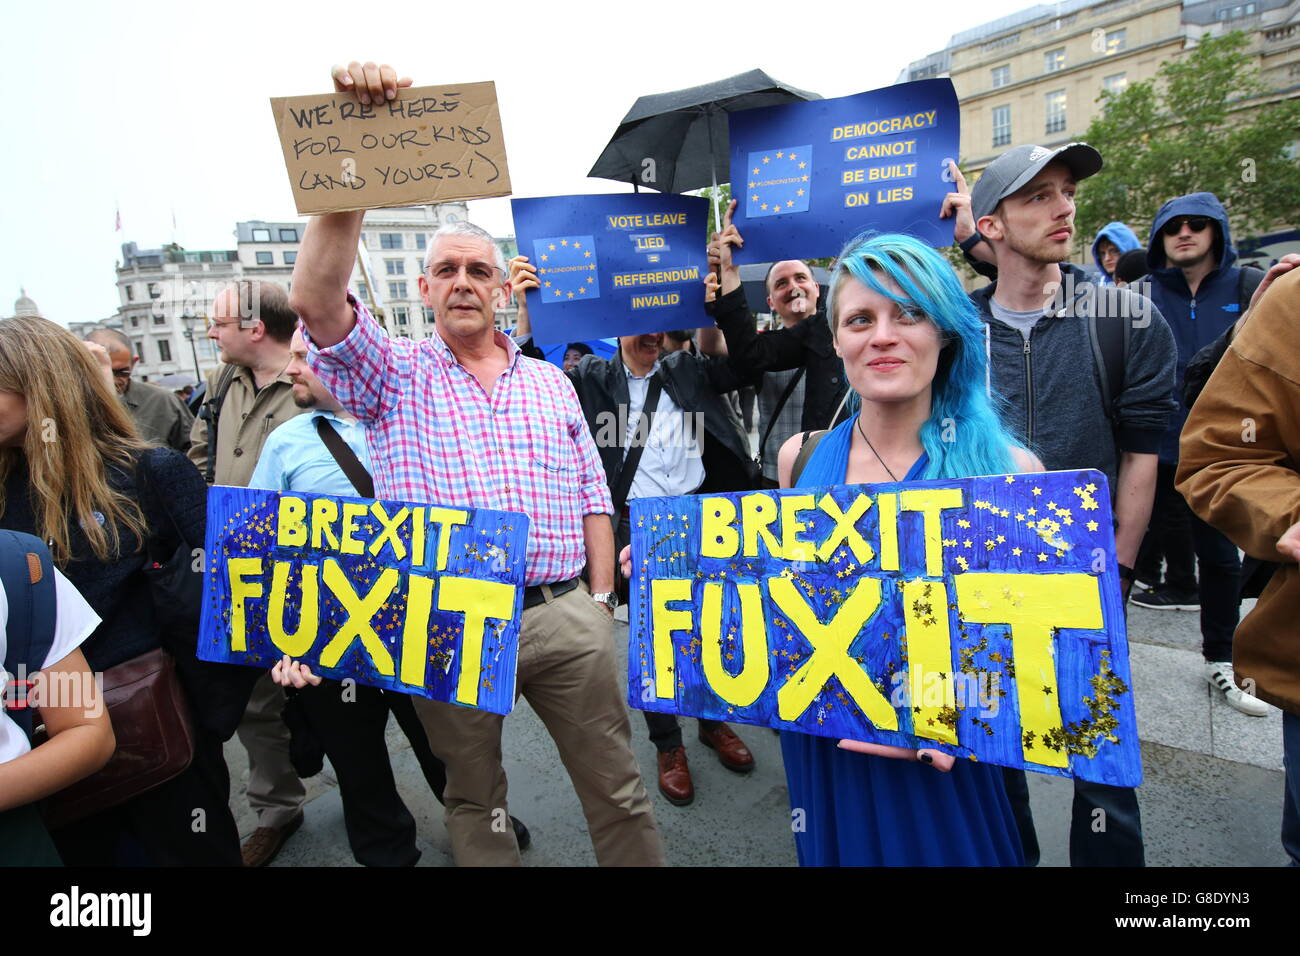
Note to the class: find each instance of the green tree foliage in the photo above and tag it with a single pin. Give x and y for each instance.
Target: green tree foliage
(1185, 132)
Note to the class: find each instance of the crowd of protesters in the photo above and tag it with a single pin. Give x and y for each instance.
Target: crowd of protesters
(103, 486)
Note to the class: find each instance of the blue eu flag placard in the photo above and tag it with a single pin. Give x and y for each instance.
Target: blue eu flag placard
(613, 265)
(780, 181)
(816, 174)
(567, 267)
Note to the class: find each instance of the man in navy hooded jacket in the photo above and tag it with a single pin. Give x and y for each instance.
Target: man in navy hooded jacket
(1197, 287)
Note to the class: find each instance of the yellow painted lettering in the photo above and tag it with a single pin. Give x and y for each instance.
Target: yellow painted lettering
(830, 652)
(352, 510)
(290, 528)
(794, 547)
(324, 513)
(418, 557)
(664, 622)
(758, 513)
(929, 658)
(391, 527)
(446, 518)
(931, 501)
(718, 539)
(360, 611)
(308, 602)
(739, 690)
(887, 506)
(478, 601)
(415, 629)
(1034, 605)
(845, 530)
(237, 569)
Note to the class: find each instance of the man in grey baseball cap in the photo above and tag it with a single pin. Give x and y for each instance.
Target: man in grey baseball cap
(1045, 319)
(1015, 168)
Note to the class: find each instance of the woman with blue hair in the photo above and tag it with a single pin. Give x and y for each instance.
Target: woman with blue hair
(913, 352)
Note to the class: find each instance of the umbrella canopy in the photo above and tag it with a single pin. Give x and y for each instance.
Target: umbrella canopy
(752, 280)
(601, 348)
(685, 132)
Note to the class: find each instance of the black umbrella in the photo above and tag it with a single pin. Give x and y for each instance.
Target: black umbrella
(678, 141)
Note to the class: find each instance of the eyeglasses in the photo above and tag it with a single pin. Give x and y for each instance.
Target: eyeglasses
(121, 373)
(209, 323)
(477, 271)
(1195, 223)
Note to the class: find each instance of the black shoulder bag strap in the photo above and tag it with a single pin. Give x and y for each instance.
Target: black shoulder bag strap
(212, 414)
(346, 458)
(623, 486)
(776, 412)
(1109, 336)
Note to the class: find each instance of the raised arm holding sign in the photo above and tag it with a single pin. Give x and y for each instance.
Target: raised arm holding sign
(461, 418)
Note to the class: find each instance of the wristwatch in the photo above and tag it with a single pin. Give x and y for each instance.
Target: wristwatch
(607, 598)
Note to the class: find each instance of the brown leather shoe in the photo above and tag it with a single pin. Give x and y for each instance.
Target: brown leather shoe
(675, 777)
(261, 848)
(732, 752)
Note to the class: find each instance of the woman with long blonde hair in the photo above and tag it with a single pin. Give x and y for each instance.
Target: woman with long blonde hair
(75, 472)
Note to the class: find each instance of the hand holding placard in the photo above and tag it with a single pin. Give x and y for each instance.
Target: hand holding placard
(377, 142)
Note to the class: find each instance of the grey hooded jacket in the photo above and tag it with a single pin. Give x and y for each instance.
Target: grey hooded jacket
(1051, 385)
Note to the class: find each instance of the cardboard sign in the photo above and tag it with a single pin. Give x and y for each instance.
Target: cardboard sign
(614, 265)
(979, 616)
(810, 176)
(431, 144)
(413, 598)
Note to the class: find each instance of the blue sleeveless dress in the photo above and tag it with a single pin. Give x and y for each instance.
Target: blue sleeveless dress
(864, 810)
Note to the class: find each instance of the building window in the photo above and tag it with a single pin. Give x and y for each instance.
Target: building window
(1002, 126)
(397, 290)
(135, 322)
(1001, 76)
(160, 320)
(261, 235)
(394, 267)
(390, 240)
(361, 292)
(400, 316)
(290, 257)
(164, 350)
(130, 293)
(1054, 60)
(417, 267)
(421, 240)
(139, 347)
(154, 291)
(1116, 40)
(1115, 85)
(1056, 112)
(288, 235)
(265, 259)
(428, 314)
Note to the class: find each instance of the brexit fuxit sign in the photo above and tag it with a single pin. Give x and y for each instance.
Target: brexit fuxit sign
(413, 598)
(979, 616)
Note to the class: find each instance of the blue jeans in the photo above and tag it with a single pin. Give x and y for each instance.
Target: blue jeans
(1291, 791)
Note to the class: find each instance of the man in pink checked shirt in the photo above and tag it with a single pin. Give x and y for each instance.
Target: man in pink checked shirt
(463, 419)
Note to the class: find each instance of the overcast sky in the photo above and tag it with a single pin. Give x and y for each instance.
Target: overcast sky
(161, 108)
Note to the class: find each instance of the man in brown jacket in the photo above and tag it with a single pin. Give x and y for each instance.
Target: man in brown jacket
(253, 325)
(1238, 461)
